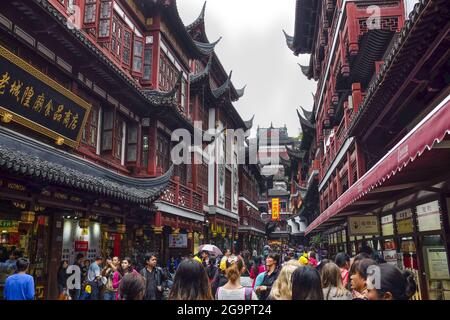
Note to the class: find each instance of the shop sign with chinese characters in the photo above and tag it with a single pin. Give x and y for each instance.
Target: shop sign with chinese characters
(32, 99)
(363, 225)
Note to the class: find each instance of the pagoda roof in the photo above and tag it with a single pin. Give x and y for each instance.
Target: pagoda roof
(306, 13)
(305, 124)
(197, 28)
(249, 123)
(207, 48)
(33, 160)
(289, 40)
(308, 114)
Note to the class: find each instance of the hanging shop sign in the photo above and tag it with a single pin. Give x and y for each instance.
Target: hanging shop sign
(275, 209)
(9, 226)
(387, 225)
(32, 99)
(437, 263)
(178, 240)
(404, 221)
(363, 225)
(428, 216)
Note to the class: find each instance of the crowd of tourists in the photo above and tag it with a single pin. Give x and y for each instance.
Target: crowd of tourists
(276, 274)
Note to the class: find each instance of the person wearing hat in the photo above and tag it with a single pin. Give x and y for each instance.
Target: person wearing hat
(304, 260)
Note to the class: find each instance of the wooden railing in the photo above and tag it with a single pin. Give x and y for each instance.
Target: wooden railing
(182, 196)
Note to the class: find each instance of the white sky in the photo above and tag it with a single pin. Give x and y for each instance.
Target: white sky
(254, 47)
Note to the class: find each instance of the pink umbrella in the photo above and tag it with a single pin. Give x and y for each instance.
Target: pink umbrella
(212, 249)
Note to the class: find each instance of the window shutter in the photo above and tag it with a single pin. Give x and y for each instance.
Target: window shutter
(138, 56)
(105, 21)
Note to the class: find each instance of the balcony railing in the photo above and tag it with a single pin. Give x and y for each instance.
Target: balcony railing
(182, 196)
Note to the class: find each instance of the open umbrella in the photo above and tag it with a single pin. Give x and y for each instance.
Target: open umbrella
(212, 249)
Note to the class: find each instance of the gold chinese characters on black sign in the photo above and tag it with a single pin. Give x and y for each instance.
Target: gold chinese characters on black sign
(38, 102)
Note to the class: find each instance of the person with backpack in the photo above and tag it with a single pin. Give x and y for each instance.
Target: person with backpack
(154, 278)
(233, 290)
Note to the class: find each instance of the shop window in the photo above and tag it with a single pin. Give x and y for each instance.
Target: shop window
(436, 267)
(132, 139)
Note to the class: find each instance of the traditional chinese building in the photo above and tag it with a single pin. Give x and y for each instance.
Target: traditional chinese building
(212, 97)
(91, 92)
(382, 115)
(252, 228)
(273, 144)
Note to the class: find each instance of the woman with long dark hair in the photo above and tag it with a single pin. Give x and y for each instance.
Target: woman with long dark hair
(256, 269)
(191, 282)
(394, 284)
(124, 269)
(306, 284)
(132, 287)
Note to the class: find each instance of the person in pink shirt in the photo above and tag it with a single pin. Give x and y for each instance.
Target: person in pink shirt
(343, 262)
(257, 268)
(125, 267)
(312, 259)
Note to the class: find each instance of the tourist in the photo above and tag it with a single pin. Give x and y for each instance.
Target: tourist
(358, 278)
(85, 269)
(125, 268)
(154, 278)
(272, 271)
(256, 269)
(333, 287)
(94, 276)
(212, 269)
(343, 262)
(306, 284)
(112, 265)
(191, 282)
(394, 284)
(75, 293)
(282, 287)
(220, 279)
(19, 286)
(13, 257)
(312, 261)
(233, 290)
(62, 277)
(132, 287)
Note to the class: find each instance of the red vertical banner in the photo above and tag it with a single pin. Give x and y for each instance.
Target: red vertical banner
(117, 239)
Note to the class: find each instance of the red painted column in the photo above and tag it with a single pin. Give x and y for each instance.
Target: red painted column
(360, 160)
(357, 96)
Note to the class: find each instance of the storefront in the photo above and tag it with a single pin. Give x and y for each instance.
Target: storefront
(412, 237)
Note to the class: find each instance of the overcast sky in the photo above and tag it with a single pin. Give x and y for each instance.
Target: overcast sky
(254, 47)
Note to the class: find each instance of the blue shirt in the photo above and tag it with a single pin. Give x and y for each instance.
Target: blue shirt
(259, 279)
(19, 287)
(93, 272)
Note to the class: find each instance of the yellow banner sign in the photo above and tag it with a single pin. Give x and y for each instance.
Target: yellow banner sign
(275, 209)
(9, 226)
